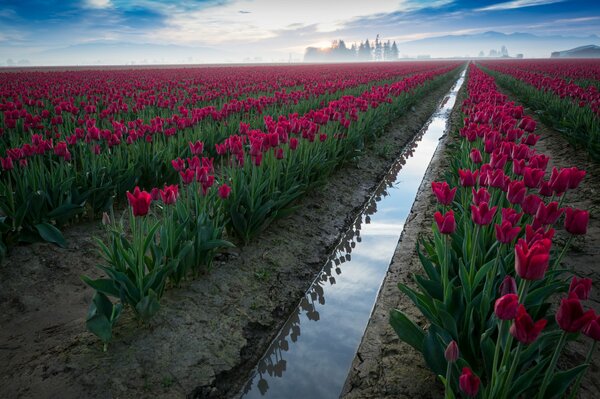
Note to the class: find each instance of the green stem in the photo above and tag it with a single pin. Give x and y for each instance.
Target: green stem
(588, 361)
(501, 333)
(446, 267)
(448, 375)
(550, 370)
(562, 253)
(511, 373)
(473, 255)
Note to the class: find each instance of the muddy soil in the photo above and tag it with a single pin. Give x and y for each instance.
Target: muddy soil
(210, 332)
(385, 367)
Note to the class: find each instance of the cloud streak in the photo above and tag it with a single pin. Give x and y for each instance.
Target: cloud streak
(512, 5)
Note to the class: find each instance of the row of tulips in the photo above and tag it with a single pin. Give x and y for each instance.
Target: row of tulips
(254, 182)
(51, 183)
(571, 109)
(491, 272)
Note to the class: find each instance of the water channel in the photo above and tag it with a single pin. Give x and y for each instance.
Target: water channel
(313, 352)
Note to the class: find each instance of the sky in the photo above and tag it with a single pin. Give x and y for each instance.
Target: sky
(56, 32)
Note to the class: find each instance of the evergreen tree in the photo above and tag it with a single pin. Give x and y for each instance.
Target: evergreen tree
(364, 51)
(394, 52)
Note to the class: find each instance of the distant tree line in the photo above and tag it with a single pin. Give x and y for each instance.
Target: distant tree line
(365, 51)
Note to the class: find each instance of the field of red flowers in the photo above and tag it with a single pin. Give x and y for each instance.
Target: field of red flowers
(183, 165)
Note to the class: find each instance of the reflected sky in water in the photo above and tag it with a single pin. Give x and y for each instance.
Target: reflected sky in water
(312, 354)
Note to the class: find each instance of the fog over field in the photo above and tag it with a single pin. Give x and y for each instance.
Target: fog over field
(104, 32)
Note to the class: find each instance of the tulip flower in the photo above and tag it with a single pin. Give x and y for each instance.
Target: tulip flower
(293, 143)
(516, 192)
(511, 215)
(580, 287)
(475, 156)
(545, 189)
(7, 163)
(559, 180)
(548, 214)
(531, 261)
(523, 327)
(530, 204)
(224, 191)
(443, 193)
(482, 215)
(139, 201)
(480, 196)
(508, 286)
(446, 223)
(592, 328)
(169, 194)
(532, 177)
(576, 221)
(506, 306)
(469, 382)
(468, 178)
(155, 194)
(197, 147)
(576, 177)
(451, 353)
(506, 233)
(570, 315)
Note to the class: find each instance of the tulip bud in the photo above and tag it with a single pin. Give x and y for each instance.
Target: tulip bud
(446, 223)
(469, 382)
(570, 315)
(508, 286)
(451, 354)
(580, 287)
(105, 219)
(576, 221)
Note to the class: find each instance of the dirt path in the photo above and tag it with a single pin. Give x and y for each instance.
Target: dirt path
(210, 332)
(385, 367)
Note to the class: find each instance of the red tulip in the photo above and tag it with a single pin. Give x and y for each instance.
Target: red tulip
(532, 235)
(169, 194)
(592, 329)
(155, 194)
(451, 354)
(475, 156)
(524, 329)
(508, 286)
(531, 262)
(468, 178)
(576, 221)
(506, 306)
(293, 143)
(516, 192)
(139, 201)
(548, 214)
(505, 232)
(187, 176)
(446, 223)
(570, 315)
(482, 215)
(7, 163)
(197, 147)
(545, 189)
(580, 287)
(469, 382)
(480, 196)
(224, 191)
(559, 180)
(530, 204)
(532, 177)
(443, 193)
(576, 177)
(511, 215)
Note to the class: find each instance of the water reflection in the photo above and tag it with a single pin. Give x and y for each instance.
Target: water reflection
(315, 364)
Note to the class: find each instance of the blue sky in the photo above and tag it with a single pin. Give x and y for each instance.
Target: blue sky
(233, 30)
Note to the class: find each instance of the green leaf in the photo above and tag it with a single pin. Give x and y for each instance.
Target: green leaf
(103, 285)
(51, 234)
(148, 306)
(407, 330)
(527, 379)
(98, 318)
(561, 381)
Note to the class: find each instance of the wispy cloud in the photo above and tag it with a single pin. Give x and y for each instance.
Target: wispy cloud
(99, 4)
(511, 5)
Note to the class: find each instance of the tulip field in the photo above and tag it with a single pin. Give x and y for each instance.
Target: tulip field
(180, 168)
(565, 94)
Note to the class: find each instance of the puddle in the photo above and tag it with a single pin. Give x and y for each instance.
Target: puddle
(313, 352)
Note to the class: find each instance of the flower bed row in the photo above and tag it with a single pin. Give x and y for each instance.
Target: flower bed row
(569, 108)
(490, 271)
(175, 231)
